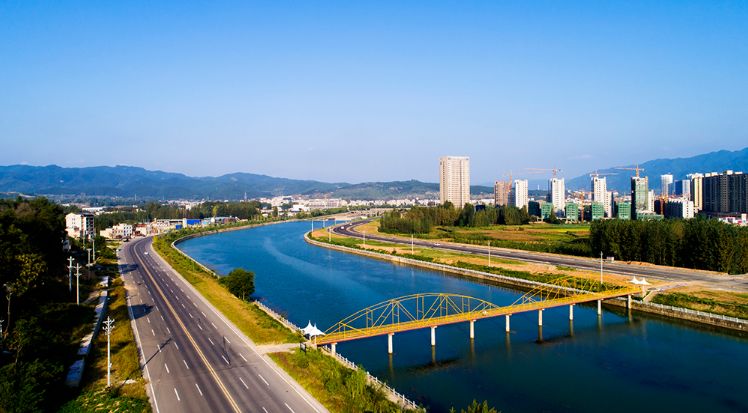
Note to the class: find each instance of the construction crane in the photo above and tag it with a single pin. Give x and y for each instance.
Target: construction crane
(637, 169)
(555, 171)
(596, 173)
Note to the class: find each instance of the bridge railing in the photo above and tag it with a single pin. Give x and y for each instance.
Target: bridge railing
(280, 318)
(371, 378)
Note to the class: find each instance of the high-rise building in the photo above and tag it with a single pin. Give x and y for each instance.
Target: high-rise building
(601, 194)
(501, 190)
(697, 191)
(725, 193)
(679, 208)
(651, 197)
(557, 195)
(639, 195)
(596, 211)
(623, 210)
(608, 204)
(666, 180)
(454, 180)
(519, 197)
(572, 211)
(682, 188)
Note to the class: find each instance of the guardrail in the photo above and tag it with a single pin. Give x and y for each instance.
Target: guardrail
(283, 320)
(407, 403)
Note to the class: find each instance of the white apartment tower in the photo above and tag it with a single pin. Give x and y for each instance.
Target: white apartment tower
(454, 180)
(519, 196)
(558, 193)
(600, 193)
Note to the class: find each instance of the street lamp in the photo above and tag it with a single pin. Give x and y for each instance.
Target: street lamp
(108, 327)
(601, 270)
(89, 255)
(77, 284)
(70, 274)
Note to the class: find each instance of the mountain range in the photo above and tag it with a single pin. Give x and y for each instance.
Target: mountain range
(619, 180)
(135, 182)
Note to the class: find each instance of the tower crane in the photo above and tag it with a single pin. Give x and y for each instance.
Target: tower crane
(637, 169)
(555, 171)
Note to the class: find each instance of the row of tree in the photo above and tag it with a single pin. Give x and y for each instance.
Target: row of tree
(422, 220)
(695, 243)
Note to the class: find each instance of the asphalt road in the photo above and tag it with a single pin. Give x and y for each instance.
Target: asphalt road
(714, 280)
(194, 359)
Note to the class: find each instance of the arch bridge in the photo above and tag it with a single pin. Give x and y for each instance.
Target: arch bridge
(430, 310)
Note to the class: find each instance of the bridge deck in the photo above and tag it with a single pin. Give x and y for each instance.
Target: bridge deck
(356, 334)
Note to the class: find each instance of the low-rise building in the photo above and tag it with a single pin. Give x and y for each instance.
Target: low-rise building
(80, 225)
(679, 208)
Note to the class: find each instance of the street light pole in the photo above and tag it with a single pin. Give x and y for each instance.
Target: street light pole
(89, 255)
(77, 284)
(108, 327)
(489, 253)
(601, 269)
(94, 247)
(70, 274)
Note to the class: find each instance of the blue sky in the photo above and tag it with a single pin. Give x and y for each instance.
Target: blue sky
(356, 92)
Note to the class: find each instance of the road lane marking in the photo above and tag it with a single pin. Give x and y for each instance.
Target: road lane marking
(167, 329)
(167, 368)
(224, 359)
(214, 326)
(159, 347)
(204, 314)
(227, 340)
(176, 345)
(264, 409)
(185, 364)
(242, 356)
(198, 389)
(190, 314)
(211, 342)
(183, 306)
(153, 332)
(263, 379)
(162, 317)
(289, 407)
(148, 319)
(175, 392)
(245, 384)
(198, 326)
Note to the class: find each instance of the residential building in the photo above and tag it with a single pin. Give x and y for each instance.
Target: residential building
(697, 191)
(639, 195)
(601, 194)
(572, 211)
(454, 180)
(666, 181)
(501, 191)
(725, 193)
(557, 195)
(119, 231)
(597, 211)
(80, 225)
(546, 210)
(623, 210)
(682, 188)
(679, 208)
(519, 197)
(534, 208)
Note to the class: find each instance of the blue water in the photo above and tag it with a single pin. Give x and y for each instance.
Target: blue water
(616, 364)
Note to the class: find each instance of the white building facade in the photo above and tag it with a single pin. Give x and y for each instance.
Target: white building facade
(454, 180)
(558, 193)
(519, 197)
(80, 226)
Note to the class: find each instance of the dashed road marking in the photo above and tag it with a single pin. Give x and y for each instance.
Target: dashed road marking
(185, 364)
(198, 389)
(242, 356)
(263, 379)
(167, 368)
(177, 393)
(289, 408)
(245, 384)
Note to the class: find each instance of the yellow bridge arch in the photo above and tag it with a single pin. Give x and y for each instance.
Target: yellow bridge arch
(423, 310)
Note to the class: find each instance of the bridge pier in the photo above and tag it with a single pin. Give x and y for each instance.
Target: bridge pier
(571, 312)
(472, 329)
(599, 307)
(540, 318)
(628, 302)
(506, 328)
(332, 347)
(433, 336)
(389, 343)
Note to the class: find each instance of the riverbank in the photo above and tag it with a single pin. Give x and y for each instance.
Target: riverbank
(714, 320)
(264, 326)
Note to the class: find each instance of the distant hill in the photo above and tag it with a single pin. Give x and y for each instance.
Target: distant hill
(680, 167)
(130, 182)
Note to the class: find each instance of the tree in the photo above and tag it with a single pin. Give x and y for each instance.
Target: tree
(239, 282)
(476, 407)
(30, 269)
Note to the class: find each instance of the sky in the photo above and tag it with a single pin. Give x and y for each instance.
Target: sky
(370, 91)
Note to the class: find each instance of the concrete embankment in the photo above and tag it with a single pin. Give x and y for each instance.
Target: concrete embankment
(716, 320)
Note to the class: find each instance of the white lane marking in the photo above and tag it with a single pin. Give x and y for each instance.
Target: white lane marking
(153, 332)
(172, 291)
(203, 314)
(198, 389)
(167, 329)
(156, 307)
(184, 306)
(162, 317)
(227, 340)
(175, 392)
(263, 379)
(245, 384)
(190, 314)
(211, 342)
(176, 345)
(148, 319)
(224, 359)
(185, 364)
(158, 347)
(198, 326)
(193, 303)
(214, 326)
(289, 407)
(167, 368)
(242, 356)
(264, 409)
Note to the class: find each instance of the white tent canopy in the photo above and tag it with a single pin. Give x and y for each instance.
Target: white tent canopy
(312, 330)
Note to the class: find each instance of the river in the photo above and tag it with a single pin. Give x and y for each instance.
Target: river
(614, 363)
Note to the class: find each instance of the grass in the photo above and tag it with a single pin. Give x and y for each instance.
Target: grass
(337, 387)
(717, 302)
(123, 396)
(252, 321)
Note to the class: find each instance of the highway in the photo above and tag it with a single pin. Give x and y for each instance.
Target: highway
(670, 274)
(195, 360)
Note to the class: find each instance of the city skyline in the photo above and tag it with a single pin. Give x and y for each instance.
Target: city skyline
(275, 90)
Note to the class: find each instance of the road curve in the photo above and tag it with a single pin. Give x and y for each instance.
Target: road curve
(193, 358)
(720, 281)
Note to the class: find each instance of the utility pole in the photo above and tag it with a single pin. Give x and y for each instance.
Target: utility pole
(77, 284)
(1, 333)
(89, 256)
(601, 270)
(489, 253)
(108, 327)
(70, 274)
(94, 247)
